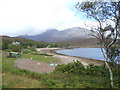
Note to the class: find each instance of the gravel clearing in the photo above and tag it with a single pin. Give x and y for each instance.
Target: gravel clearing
(33, 65)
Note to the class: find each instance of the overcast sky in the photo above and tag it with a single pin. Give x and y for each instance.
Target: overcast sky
(18, 17)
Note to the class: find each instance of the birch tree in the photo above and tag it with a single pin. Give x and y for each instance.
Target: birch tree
(107, 17)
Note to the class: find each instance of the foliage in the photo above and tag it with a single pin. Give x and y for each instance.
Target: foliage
(97, 71)
(107, 17)
(90, 77)
(14, 48)
(74, 68)
(5, 44)
(26, 51)
(114, 55)
(77, 68)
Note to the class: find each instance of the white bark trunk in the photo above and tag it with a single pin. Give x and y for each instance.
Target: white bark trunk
(107, 65)
(110, 72)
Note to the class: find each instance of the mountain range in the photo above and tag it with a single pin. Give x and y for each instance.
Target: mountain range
(54, 35)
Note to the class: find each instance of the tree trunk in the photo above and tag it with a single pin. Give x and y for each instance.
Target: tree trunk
(110, 72)
(107, 65)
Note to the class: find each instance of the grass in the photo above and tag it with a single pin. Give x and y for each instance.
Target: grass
(8, 63)
(44, 58)
(16, 78)
(21, 78)
(40, 57)
(16, 81)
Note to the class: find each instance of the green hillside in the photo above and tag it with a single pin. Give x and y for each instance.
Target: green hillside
(24, 43)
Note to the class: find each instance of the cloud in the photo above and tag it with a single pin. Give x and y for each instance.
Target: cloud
(35, 16)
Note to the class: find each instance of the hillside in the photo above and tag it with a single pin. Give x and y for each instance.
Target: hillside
(82, 42)
(6, 40)
(10, 39)
(85, 42)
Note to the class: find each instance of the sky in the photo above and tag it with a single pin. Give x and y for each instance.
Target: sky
(31, 17)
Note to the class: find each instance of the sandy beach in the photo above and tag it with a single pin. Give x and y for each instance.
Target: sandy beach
(67, 59)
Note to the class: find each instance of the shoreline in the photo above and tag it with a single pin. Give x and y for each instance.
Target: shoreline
(76, 56)
(65, 59)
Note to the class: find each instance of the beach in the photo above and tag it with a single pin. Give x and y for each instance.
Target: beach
(67, 59)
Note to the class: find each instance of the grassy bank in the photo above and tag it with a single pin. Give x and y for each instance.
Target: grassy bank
(14, 77)
(72, 75)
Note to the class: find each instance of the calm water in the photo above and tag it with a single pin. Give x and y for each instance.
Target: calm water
(94, 53)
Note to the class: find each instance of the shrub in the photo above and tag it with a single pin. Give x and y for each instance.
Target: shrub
(78, 69)
(32, 49)
(97, 70)
(52, 82)
(15, 48)
(26, 51)
(73, 68)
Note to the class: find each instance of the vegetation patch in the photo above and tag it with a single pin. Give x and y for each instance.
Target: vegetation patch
(71, 75)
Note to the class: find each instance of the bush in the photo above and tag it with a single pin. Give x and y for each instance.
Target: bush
(52, 82)
(26, 51)
(97, 70)
(78, 69)
(15, 48)
(32, 49)
(73, 68)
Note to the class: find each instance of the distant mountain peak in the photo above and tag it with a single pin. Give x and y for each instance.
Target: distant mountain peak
(52, 29)
(54, 35)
